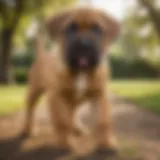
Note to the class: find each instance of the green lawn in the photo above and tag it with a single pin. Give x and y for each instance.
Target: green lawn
(11, 98)
(146, 94)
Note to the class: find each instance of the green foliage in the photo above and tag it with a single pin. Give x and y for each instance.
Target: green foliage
(22, 60)
(21, 75)
(140, 38)
(135, 68)
(21, 63)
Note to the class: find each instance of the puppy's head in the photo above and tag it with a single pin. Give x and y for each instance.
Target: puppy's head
(84, 34)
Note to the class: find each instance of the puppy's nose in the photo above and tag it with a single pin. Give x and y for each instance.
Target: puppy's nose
(85, 42)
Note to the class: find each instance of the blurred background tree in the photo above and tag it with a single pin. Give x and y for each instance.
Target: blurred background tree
(139, 43)
(154, 13)
(141, 30)
(135, 55)
(15, 16)
(134, 59)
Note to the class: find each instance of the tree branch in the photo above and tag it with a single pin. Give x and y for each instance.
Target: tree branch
(154, 14)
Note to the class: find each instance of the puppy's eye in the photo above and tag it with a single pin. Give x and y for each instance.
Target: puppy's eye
(72, 28)
(96, 29)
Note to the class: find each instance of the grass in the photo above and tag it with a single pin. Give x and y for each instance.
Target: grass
(11, 98)
(144, 93)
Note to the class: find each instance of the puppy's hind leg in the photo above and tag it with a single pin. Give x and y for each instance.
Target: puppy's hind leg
(32, 98)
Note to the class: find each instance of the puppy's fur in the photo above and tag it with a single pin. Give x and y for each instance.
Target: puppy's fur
(67, 79)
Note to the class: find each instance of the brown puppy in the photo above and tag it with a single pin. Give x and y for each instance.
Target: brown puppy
(76, 73)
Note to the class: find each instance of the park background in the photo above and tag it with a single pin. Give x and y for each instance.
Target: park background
(134, 60)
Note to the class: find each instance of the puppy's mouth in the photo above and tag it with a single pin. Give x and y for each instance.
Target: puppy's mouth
(83, 62)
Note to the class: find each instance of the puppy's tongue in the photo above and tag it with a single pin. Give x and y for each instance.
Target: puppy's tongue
(83, 62)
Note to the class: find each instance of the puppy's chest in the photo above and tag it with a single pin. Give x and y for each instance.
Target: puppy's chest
(81, 84)
(80, 88)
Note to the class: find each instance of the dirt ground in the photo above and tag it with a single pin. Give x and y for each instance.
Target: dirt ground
(138, 134)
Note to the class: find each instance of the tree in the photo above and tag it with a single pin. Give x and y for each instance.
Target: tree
(154, 13)
(140, 33)
(11, 14)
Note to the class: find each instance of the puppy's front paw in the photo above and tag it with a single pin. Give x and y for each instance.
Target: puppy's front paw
(108, 146)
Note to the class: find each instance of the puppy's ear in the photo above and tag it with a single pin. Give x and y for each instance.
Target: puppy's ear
(56, 23)
(112, 27)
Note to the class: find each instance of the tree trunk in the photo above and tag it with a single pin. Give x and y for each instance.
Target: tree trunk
(5, 56)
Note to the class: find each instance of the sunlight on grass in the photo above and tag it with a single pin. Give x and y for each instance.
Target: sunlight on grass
(143, 93)
(11, 98)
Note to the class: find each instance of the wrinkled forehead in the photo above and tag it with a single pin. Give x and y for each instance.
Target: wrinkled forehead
(86, 17)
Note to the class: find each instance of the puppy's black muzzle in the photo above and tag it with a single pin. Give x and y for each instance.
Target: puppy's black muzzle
(82, 54)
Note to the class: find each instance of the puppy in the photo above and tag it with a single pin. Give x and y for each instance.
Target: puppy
(77, 72)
